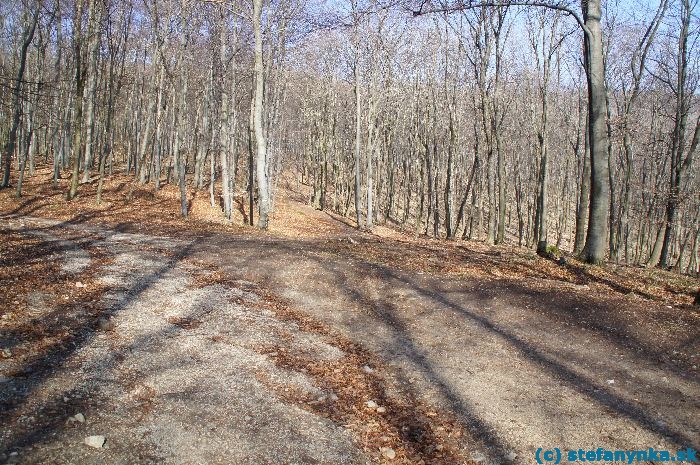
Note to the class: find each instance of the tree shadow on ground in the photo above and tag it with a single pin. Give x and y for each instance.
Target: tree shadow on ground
(79, 329)
(267, 262)
(267, 259)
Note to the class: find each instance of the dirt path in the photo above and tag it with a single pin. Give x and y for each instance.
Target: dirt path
(521, 364)
(524, 365)
(180, 378)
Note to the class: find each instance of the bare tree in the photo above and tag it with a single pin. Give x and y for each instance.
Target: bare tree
(262, 162)
(30, 21)
(683, 88)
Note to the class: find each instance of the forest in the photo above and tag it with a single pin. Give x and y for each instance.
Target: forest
(454, 121)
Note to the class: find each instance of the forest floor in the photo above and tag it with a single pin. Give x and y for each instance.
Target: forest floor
(201, 341)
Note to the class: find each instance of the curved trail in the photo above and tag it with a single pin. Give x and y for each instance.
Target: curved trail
(521, 368)
(180, 378)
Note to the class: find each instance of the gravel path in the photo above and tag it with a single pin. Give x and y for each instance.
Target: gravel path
(186, 374)
(523, 365)
(175, 376)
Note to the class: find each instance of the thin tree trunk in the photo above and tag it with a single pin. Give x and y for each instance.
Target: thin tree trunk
(262, 164)
(94, 31)
(358, 131)
(77, 126)
(27, 37)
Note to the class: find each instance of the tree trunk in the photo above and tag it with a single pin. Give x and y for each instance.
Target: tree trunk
(260, 142)
(680, 160)
(94, 31)
(180, 112)
(583, 196)
(77, 126)
(500, 238)
(358, 132)
(27, 37)
(223, 126)
(449, 222)
(597, 233)
(542, 200)
(158, 141)
(27, 147)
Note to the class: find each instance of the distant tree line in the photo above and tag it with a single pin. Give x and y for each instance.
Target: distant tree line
(551, 125)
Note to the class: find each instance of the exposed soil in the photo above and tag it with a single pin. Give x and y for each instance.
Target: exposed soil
(524, 362)
(231, 345)
(175, 361)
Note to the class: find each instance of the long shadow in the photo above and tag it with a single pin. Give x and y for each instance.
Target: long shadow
(607, 323)
(497, 446)
(603, 322)
(88, 222)
(100, 217)
(42, 367)
(596, 392)
(583, 275)
(26, 207)
(384, 311)
(271, 249)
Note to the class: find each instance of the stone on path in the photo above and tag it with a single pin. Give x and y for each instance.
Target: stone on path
(95, 441)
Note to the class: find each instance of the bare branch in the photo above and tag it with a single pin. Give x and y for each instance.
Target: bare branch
(461, 6)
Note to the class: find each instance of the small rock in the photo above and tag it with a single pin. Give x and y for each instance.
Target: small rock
(510, 456)
(478, 457)
(6, 353)
(78, 417)
(367, 369)
(95, 441)
(381, 410)
(611, 381)
(79, 284)
(66, 399)
(333, 397)
(439, 447)
(388, 452)
(105, 324)
(371, 404)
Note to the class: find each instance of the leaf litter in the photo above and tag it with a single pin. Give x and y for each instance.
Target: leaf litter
(198, 367)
